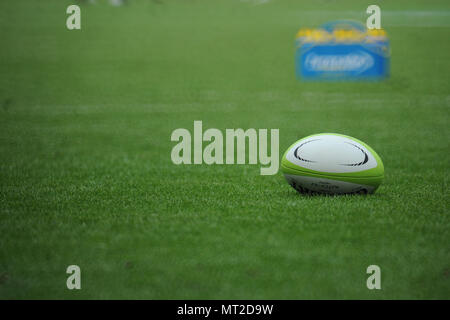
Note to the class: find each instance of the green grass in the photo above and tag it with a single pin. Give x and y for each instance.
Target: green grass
(86, 176)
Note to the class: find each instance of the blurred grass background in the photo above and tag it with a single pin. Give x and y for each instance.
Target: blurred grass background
(86, 176)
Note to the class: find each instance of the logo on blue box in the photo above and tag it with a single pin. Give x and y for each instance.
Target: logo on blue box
(342, 50)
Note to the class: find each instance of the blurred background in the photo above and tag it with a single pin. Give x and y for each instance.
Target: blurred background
(85, 171)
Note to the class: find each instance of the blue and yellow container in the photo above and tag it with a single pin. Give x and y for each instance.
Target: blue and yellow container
(342, 50)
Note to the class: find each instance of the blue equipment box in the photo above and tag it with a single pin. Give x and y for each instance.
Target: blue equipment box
(342, 50)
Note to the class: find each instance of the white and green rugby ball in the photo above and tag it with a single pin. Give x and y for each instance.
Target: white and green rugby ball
(333, 164)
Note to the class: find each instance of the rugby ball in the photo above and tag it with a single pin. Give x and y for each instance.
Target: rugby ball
(332, 164)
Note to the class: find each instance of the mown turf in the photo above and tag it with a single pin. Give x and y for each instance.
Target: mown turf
(86, 176)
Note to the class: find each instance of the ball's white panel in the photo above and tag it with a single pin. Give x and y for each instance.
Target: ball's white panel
(322, 185)
(330, 153)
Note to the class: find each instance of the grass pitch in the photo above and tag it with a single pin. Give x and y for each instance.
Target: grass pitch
(86, 176)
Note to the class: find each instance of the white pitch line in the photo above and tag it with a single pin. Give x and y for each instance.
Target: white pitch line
(410, 18)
